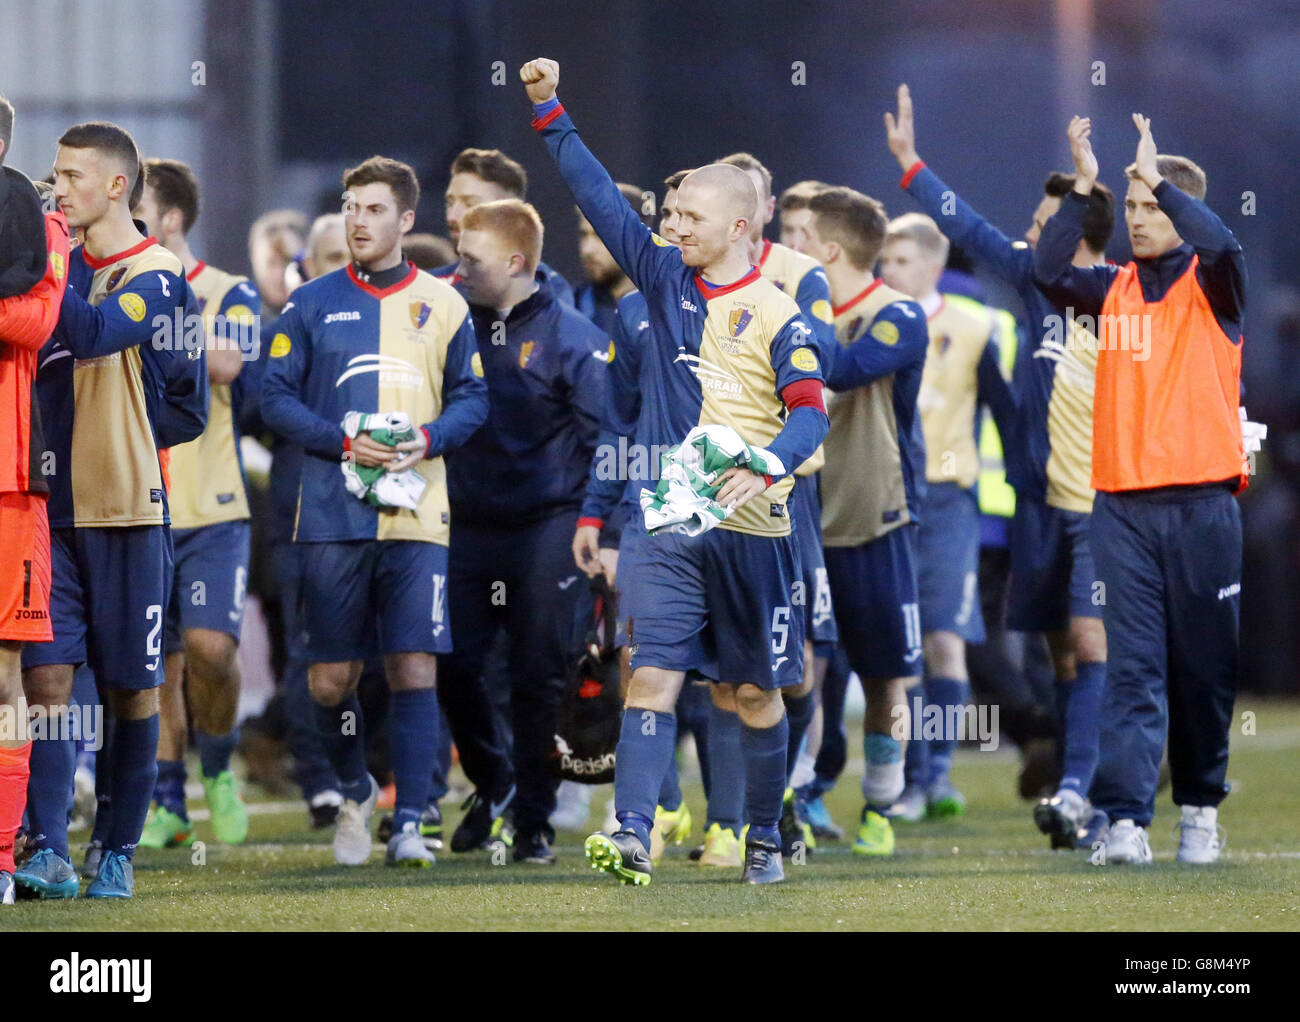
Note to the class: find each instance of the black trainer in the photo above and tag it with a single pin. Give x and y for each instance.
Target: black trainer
(621, 854)
(534, 848)
(762, 863)
(483, 823)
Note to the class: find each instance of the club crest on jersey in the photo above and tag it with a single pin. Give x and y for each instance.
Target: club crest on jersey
(741, 316)
(115, 278)
(526, 353)
(854, 327)
(943, 342)
(420, 314)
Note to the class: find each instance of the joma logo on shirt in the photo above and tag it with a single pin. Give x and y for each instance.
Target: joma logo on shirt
(342, 317)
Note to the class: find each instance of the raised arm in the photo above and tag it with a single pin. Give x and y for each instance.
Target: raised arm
(1222, 269)
(642, 255)
(1081, 287)
(964, 227)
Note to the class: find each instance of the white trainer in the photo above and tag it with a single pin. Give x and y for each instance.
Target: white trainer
(572, 806)
(1200, 841)
(1127, 844)
(407, 848)
(352, 829)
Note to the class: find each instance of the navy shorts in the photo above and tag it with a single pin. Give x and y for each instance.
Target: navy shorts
(721, 604)
(107, 603)
(806, 521)
(948, 551)
(364, 598)
(211, 580)
(876, 605)
(1053, 576)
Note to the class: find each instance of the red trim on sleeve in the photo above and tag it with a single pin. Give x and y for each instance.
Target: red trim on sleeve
(99, 264)
(540, 122)
(595, 523)
(767, 478)
(370, 289)
(841, 309)
(428, 440)
(804, 394)
(912, 171)
(196, 271)
(347, 444)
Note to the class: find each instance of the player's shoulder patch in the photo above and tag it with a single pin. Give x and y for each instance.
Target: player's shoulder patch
(660, 241)
(133, 305)
(280, 345)
(476, 364)
(822, 310)
(885, 332)
(804, 359)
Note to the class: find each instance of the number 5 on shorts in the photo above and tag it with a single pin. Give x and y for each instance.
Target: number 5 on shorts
(780, 629)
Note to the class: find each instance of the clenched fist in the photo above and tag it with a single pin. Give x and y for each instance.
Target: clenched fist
(540, 78)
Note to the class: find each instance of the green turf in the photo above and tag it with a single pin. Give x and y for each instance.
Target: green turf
(987, 870)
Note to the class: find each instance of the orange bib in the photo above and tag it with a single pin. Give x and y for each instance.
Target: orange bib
(1168, 389)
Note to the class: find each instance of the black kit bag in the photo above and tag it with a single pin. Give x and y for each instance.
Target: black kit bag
(590, 716)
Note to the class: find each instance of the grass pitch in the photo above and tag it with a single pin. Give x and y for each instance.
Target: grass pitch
(988, 870)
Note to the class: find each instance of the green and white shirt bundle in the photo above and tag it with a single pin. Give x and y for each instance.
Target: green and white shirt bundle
(690, 477)
(374, 483)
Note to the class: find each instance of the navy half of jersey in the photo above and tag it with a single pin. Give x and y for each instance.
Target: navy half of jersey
(700, 365)
(546, 385)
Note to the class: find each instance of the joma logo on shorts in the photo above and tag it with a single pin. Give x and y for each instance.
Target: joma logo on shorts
(1231, 590)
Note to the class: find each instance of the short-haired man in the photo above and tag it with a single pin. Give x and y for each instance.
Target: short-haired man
(714, 322)
(117, 384)
(486, 175)
(801, 277)
(33, 276)
(275, 245)
(872, 486)
(606, 284)
(1048, 457)
(515, 488)
(1167, 458)
(376, 339)
(962, 370)
(210, 535)
(795, 215)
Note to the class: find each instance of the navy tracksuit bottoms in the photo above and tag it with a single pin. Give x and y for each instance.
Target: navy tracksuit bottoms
(1170, 562)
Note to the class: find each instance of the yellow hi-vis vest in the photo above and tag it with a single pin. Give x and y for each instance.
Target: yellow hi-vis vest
(996, 497)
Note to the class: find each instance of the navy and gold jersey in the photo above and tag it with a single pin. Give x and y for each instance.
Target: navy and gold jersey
(958, 343)
(117, 381)
(207, 475)
(725, 355)
(803, 279)
(874, 478)
(343, 345)
(1051, 456)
